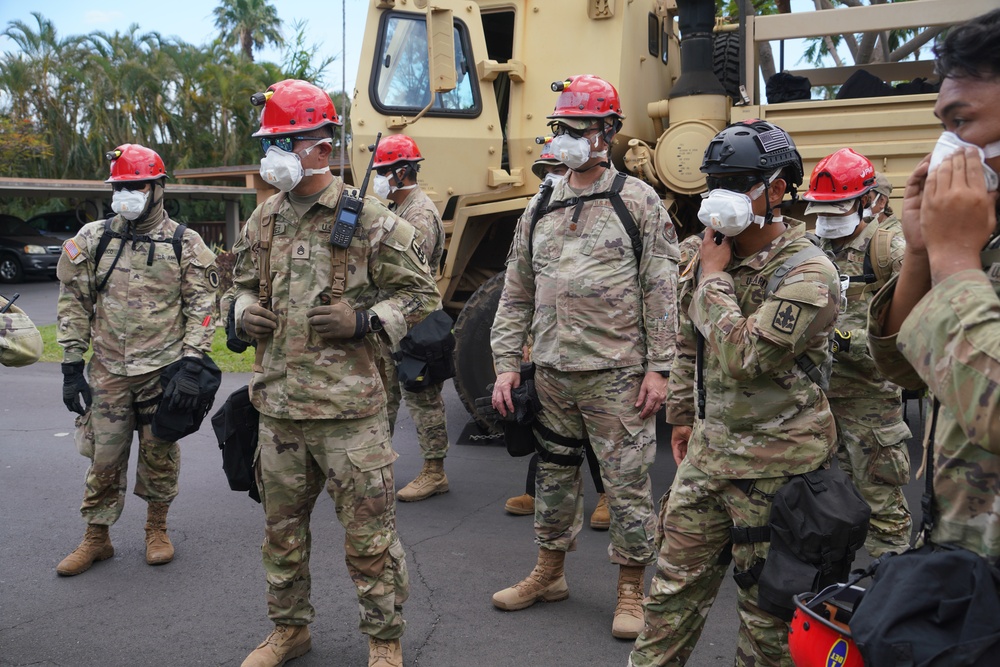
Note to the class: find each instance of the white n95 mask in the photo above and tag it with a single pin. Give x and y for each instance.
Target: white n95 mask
(381, 187)
(837, 226)
(949, 142)
(574, 152)
(728, 212)
(129, 204)
(284, 170)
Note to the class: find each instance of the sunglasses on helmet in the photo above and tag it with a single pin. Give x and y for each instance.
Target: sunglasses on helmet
(282, 143)
(559, 129)
(732, 182)
(129, 186)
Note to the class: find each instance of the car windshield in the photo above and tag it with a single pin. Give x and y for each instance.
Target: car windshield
(15, 227)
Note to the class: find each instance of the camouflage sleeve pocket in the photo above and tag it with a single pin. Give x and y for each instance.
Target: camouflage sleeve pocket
(788, 315)
(890, 463)
(372, 457)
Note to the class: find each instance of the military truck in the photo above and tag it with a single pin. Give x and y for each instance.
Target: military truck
(470, 82)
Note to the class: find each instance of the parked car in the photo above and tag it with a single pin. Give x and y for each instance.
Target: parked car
(25, 251)
(61, 224)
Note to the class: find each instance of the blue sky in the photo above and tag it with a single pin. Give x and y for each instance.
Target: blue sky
(192, 21)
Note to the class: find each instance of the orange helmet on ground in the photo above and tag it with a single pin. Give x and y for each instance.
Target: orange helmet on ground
(293, 106)
(839, 179)
(819, 635)
(396, 148)
(583, 98)
(132, 162)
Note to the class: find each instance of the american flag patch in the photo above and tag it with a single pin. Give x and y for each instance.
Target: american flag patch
(773, 140)
(72, 249)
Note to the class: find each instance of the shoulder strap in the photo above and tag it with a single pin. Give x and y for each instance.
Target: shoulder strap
(540, 210)
(177, 242)
(267, 215)
(880, 250)
(102, 246)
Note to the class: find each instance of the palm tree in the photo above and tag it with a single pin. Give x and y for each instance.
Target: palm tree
(249, 23)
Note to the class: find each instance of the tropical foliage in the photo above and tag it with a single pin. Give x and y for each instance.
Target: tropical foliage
(66, 100)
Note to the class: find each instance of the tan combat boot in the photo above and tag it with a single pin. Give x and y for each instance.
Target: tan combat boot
(384, 653)
(430, 482)
(96, 546)
(284, 643)
(628, 621)
(546, 583)
(601, 518)
(159, 550)
(521, 505)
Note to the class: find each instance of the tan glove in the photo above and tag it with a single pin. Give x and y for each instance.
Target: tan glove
(258, 321)
(338, 321)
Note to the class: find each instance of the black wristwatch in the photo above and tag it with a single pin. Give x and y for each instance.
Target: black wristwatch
(665, 374)
(374, 323)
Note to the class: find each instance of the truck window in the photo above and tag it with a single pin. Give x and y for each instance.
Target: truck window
(400, 76)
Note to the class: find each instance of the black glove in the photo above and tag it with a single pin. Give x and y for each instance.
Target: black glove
(74, 384)
(184, 389)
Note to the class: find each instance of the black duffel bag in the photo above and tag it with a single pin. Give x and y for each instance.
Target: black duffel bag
(937, 606)
(175, 423)
(235, 426)
(426, 354)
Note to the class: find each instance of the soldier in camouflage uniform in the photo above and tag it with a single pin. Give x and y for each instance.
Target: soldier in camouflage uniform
(20, 342)
(938, 322)
(868, 408)
(397, 162)
(744, 400)
(601, 311)
(143, 303)
(316, 383)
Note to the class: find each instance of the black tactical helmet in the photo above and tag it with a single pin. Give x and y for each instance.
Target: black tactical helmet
(754, 145)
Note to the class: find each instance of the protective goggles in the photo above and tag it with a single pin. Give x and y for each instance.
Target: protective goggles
(558, 129)
(283, 143)
(129, 186)
(733, 182)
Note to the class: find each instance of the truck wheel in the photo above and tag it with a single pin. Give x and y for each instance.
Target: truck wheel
(10, 269)
(726, 62)
(473, 356)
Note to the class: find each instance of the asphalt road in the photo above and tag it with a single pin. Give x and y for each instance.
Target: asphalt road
(207, 606)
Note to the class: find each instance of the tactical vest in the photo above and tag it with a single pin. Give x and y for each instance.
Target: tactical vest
(109, 233)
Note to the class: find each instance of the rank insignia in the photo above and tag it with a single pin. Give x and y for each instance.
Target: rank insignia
(419, 251)
(786, 317)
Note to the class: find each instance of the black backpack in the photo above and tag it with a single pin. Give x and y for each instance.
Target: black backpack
(426, 354)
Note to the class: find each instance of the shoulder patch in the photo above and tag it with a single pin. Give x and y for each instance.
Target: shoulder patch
(786, 317)
(402, 235)
(213, 276)
(73, 251)
(418, 251)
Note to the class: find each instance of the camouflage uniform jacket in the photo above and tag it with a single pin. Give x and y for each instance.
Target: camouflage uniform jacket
(418, 210)
(854, 373)
(148, 315)
(951, 343)
(20, 342)
(583, 297)
(304, 376)
(764, 417)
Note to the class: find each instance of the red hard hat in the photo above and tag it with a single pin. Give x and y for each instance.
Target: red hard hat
(132, 162)
(396, 148)
(819, 635)
(585, 96)
(293, 106)
(841, 176)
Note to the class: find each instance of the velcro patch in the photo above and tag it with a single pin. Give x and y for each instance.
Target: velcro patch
(786, 317)
(418, 251)
(73, 251)
(213, 277)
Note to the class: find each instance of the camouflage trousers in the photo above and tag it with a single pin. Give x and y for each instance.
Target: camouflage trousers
(599, 405)
(426, 407)
(695, 517)
(353, 459)
(121, 406)
(875, 456)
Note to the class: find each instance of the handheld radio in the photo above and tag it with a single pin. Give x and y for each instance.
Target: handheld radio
(349, 207)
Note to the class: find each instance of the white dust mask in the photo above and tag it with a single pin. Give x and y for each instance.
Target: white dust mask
(948, 143)
(552, 179)
(381, 187)
(574, 152)
(728, 212)
(284, 170)
(129, 203)
(837, 226)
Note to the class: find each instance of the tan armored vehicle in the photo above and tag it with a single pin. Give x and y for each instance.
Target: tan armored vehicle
(470, 82)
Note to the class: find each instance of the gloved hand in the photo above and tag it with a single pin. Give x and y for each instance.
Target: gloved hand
(338, 321)
(184, 390)
(258, 321)
(74, 385)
